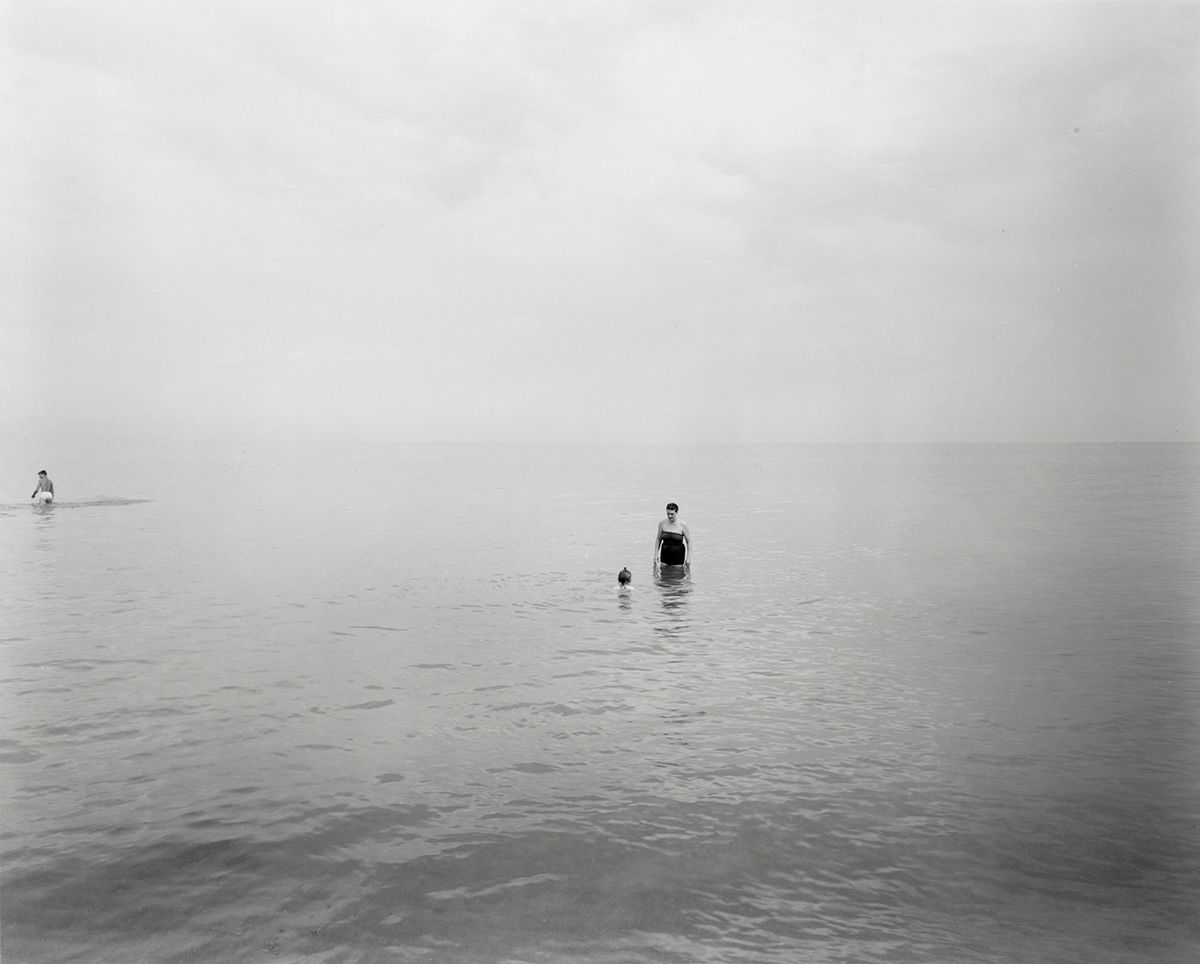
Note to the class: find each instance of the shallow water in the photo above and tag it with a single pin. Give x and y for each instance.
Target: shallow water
(912, 703)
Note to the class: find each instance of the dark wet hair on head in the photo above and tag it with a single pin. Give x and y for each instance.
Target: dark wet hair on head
(672, 505)
(42, 472)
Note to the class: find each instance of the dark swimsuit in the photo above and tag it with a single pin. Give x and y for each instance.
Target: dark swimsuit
(672, 552)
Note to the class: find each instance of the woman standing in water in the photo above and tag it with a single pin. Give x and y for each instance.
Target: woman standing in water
(672, 545)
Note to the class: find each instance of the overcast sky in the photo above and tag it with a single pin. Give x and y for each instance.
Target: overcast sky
(735, 220)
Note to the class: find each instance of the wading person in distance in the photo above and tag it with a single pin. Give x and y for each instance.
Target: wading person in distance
(45, 488)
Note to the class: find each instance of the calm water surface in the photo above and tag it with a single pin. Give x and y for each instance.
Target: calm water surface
(913, 703)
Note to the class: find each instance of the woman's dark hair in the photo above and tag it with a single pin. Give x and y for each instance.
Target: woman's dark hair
(672, 505)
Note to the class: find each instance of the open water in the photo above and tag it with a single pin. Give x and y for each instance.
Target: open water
(913, 703)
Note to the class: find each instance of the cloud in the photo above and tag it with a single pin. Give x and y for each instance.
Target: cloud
(526, 220)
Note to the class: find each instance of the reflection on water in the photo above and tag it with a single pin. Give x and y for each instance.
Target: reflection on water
(625, 598)
(275, 733)
(673, 584)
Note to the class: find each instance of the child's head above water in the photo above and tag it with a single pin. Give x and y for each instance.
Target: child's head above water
(624, 577)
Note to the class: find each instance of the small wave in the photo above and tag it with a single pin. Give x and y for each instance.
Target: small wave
(103, 501)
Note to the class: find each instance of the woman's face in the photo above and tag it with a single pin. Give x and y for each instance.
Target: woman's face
(671, 515)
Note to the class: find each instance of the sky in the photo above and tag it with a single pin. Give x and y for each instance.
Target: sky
(540, 220)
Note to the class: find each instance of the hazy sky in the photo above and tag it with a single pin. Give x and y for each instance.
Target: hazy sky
(735, 220)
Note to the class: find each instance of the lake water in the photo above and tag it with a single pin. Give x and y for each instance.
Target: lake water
(346, 704)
